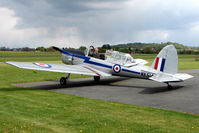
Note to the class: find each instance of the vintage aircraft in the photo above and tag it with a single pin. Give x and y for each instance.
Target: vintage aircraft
(164, 68)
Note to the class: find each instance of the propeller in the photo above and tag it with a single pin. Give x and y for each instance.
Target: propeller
(56, 48)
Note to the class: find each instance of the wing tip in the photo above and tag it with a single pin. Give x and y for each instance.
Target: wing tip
(11, 63)
(8, 62)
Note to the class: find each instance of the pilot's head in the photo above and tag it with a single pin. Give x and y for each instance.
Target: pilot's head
(96, 50)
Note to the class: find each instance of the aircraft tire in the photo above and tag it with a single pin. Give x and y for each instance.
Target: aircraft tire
(96, 78)
(63, 81)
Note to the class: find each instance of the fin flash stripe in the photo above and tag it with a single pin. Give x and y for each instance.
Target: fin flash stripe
(156, 63)
(159, 64)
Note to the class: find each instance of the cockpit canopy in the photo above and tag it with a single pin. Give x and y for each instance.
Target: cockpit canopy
(118, 57)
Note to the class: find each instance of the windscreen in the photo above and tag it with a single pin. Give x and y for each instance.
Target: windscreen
(118, 57)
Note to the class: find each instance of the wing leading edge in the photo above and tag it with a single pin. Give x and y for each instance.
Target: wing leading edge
(62, 68)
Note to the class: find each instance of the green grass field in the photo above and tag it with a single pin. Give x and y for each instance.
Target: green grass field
(184, 61)
(5, 53)
(32, 110)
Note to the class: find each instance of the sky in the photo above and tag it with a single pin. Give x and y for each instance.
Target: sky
(75, 23)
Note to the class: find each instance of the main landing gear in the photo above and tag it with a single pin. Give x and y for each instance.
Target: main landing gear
(63, 80)
(96, 78)
(169, 86)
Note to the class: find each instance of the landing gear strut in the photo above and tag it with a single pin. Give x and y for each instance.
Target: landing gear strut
(96, 78)
(63, 80)
(169, 86)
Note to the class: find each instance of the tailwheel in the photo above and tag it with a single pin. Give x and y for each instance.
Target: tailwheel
(169, 86)
(96, 78)
(63, 81)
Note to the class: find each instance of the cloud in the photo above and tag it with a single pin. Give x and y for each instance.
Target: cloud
(74, 23)
(32, 37)
(8, 32)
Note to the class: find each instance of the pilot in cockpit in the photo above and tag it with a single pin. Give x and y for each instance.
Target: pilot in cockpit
(96, 54)
(93, 52)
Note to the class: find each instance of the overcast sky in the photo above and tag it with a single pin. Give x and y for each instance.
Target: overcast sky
(72, 23)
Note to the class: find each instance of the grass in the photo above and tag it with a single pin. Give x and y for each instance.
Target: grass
(32, 110)
(8, 53)
(184, 61)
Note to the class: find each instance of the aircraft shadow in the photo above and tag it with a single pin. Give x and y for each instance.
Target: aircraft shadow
(81, 83)
(150, 90)
(153, 90)
(90, 82)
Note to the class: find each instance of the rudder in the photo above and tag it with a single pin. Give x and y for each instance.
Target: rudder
(167, 60)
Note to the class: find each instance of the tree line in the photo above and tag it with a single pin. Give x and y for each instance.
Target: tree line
(133, 48)
(27, 49)
(149, 48)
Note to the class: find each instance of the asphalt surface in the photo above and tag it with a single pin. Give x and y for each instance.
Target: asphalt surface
(184, 96)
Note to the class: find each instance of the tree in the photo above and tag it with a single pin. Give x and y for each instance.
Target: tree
(106, 46)
(50, 49)
(82, 48)
(101, 50)
(3, 49)
(41, 49)
(116, 49)
(26, 49)
(147, 50)
(124, 50)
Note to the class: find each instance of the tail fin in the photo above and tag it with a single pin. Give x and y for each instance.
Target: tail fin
(167, 60)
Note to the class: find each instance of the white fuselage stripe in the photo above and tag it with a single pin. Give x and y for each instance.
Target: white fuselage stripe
(159, 64)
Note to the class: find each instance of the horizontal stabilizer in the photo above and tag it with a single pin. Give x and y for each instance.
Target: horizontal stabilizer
(183, 76)
(141, 61)
(164, 77)
(136, 62)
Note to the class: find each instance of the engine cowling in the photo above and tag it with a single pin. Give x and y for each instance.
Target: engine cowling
(67, 59)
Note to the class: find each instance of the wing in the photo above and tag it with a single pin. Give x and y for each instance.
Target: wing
(136, 62)
(165, 77)
(62, 68)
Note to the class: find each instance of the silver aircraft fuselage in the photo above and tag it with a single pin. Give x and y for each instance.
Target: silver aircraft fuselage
(137, 71)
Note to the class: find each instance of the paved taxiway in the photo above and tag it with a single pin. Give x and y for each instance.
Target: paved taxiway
(183, 97)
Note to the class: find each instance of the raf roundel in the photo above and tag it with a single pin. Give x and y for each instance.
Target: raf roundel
(42, 65)
(117, 68)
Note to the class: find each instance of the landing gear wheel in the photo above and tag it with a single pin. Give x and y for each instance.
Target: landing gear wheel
(96, 78)
(63, 81)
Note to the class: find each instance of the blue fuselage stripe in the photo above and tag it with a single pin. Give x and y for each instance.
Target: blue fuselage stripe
(87, 60)
(75, 55)
(98, 64)
(130, 71)
(162, 65)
